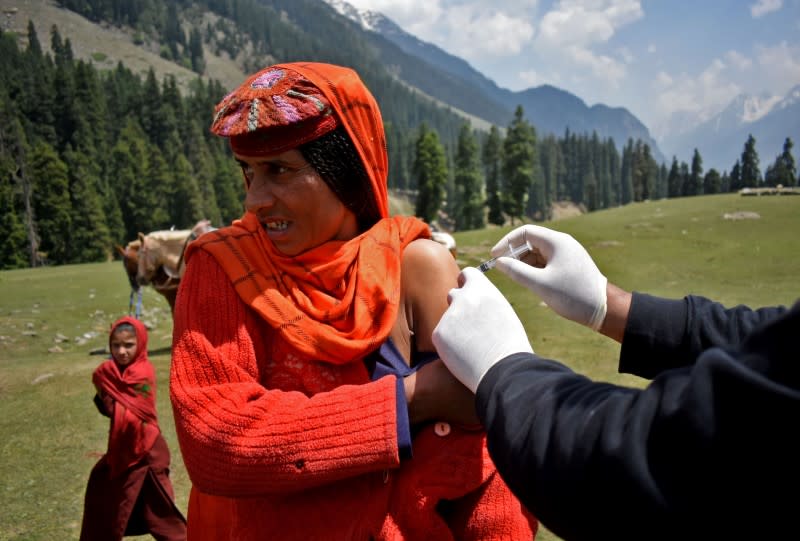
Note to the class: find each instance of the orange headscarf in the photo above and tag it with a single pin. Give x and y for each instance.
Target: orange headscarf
(337, 301)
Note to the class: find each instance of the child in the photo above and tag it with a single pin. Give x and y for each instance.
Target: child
(129, 491)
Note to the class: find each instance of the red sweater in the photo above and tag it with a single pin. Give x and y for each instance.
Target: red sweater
(279, 446)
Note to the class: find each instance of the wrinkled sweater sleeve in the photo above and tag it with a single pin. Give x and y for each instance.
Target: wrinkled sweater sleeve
(240, 439)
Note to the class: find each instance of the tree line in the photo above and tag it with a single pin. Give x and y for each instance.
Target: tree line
(89, 158)
(517, 176)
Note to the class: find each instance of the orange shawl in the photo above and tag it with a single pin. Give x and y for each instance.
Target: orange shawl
(335, 302)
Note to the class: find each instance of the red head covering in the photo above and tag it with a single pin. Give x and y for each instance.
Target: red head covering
(284, 106)
(134, 425)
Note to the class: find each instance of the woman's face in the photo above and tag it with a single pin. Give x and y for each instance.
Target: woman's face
(294, 205)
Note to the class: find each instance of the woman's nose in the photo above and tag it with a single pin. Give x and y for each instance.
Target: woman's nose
(259, 194)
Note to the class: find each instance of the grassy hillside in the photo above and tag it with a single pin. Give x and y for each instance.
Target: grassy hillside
(51, 319)
(105, 45)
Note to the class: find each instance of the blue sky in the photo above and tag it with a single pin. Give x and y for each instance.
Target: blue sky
(654, 57)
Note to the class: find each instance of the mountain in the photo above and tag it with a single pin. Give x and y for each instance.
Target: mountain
(454, 81)
(384, 54)
(721, 138)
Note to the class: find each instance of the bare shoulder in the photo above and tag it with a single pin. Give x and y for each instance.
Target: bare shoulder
(424, 257)
(429, 272)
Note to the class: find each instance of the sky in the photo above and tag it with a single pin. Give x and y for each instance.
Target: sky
(653, 57)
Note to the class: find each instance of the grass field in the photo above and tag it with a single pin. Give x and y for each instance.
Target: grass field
(51, 319)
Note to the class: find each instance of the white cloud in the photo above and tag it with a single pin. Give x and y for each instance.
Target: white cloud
(651, 48)
(780, 65)
(572, 31)
(762, 7)
(706, 94)
(738, 60)
(476, 29)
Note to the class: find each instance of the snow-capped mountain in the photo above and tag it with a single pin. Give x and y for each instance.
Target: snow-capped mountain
(720, 139)
(453, 81)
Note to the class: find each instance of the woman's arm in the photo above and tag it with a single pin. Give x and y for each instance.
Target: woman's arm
(241, 439)
(428, 273)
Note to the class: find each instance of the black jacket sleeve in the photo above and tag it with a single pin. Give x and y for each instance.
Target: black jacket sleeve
(706, 451)
(663, 334)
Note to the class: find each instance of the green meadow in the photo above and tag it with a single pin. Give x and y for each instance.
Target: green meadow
(54, 322)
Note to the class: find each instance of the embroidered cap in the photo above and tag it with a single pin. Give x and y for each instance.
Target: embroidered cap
(274, 110)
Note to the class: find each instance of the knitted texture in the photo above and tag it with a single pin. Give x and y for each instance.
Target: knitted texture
(273, 110)
(278, 445)
(282, 431)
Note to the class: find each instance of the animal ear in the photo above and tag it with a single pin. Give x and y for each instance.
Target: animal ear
(141, 237)
(120, 250)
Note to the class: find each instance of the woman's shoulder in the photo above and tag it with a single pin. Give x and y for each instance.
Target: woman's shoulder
(425, 254)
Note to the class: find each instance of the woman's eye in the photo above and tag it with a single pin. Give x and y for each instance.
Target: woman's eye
(277, 169)
(247, 171)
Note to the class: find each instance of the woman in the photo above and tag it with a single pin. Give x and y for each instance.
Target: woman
(129, 490)
(307, 399)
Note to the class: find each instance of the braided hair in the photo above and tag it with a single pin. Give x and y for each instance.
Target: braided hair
(336, 159)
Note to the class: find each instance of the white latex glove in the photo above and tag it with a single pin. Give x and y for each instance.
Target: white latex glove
(478, 329)
(570, 283)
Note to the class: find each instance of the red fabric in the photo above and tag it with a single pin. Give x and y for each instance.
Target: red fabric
(134, 424)
(138, 502)
(129, 491)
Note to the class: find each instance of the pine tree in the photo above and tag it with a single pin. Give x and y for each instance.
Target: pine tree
(492, 163)
(783, 171)
(51, 203)
(136, 191)
(712, 182)
(695, 184)
(229, 186)
(519, 156)
(468, 182)
(199, 155)
(186, 204)
(750, 173)
(13, 238)
(626, 174)
(430, 171)
(89, 236)
(674, 180)
(736, 183)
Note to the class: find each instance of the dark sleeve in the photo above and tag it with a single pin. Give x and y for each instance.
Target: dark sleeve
(664, 333)
(104, 405)
(701, 452)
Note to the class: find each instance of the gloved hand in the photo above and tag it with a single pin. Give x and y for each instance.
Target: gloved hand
(478, 329)
(569, 282)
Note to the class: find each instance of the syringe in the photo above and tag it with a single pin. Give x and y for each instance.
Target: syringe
(516, 253)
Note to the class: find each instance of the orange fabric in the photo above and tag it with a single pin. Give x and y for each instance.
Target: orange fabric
(134, 425)
(357, 108)
(335, 302)
(282, 432)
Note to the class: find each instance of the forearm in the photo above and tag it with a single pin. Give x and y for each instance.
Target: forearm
(618, 306)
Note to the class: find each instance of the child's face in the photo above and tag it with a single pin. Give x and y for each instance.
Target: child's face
(123, 346)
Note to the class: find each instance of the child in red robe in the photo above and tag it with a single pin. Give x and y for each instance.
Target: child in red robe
(129, 491)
